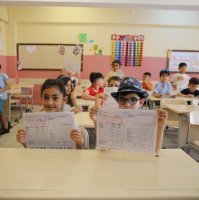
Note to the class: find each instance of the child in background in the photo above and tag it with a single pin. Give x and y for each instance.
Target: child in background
(130, 95)
(75, 77)
(163, 87)
(114, 81)
(53, 96)
(146, 84)
(97, 86)
(181, 75)
(71, 104)
(4, 86)
(116, 71)
(191, 91)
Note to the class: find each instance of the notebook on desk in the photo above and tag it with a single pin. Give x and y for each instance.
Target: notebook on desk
(49, 130)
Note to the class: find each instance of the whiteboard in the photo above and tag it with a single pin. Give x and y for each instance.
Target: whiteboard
(191, 58)
(50, 56)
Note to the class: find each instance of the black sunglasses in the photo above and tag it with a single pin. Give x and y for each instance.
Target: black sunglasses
(132, 101)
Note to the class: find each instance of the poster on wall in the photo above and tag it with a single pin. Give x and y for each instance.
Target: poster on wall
(128, 49)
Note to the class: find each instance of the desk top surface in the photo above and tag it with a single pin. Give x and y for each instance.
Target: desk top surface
(181, 108)
(92, 174)
(153, 98)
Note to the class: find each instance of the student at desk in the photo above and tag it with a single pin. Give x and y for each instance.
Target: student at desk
(146, 84)
(4, 86)
(114, 81)
(53, 96)
(163, 87)
(130, 95)
(97, 86)
(191, 91)
(71, 104)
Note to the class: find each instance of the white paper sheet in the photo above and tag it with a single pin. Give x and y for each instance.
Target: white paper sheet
(49, 130)
(110, 101)
(127, 129)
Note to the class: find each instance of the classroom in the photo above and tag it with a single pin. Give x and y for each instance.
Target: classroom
(31, 30)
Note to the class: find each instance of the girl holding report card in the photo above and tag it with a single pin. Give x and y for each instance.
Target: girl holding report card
(53, 97)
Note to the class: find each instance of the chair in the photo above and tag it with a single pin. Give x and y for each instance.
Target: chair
(193, 135)
(172, 120)
(85, 137)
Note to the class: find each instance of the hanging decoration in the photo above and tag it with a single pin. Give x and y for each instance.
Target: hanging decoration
(128, 49)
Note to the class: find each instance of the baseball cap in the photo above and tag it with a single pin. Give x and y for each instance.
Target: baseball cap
(130, 85)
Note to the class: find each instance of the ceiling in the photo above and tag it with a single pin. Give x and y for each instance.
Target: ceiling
(145, 4)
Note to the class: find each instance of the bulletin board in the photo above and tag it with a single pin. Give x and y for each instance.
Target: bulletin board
(191, 58)
(128, 49)
(50, 57)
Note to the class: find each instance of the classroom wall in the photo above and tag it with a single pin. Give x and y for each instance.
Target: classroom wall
(163, 30)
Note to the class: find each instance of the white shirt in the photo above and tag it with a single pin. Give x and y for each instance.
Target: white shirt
(175, 77)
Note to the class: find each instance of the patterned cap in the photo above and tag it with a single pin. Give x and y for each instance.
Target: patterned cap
(130, 85)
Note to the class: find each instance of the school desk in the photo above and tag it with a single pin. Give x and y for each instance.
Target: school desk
(183, 112)
(7, 103)
(93, 174)
(85, 103)
(152, 99)
(25, 92)
(83, 119)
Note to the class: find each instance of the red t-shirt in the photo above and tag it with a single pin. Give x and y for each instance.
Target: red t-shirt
(144, 86)
(93, 93)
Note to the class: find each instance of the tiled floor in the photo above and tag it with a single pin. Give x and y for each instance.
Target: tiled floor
(9, 140)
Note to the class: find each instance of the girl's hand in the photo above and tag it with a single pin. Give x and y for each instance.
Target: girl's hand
(162, 116)
(21, 137)
(76, 137)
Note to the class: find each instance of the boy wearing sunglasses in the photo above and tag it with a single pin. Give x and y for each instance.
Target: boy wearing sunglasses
(163, 87)
(130, 95)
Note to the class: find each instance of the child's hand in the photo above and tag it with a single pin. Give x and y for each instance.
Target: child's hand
(162, 116)
(21, 137)
(76, 137)
(99, 98)
(93, 114)
(158, 95)
(190, 95)
(180, 78)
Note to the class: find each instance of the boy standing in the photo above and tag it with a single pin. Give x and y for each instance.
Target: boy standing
(97, 86)
(181, 75)
(163, 87)
(191, 91)
(116, 71)
(146, 84)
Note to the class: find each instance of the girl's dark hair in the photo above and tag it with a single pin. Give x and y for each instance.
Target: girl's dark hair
(50, 83)
(65, 80)
(115, 78)
(116, 61)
